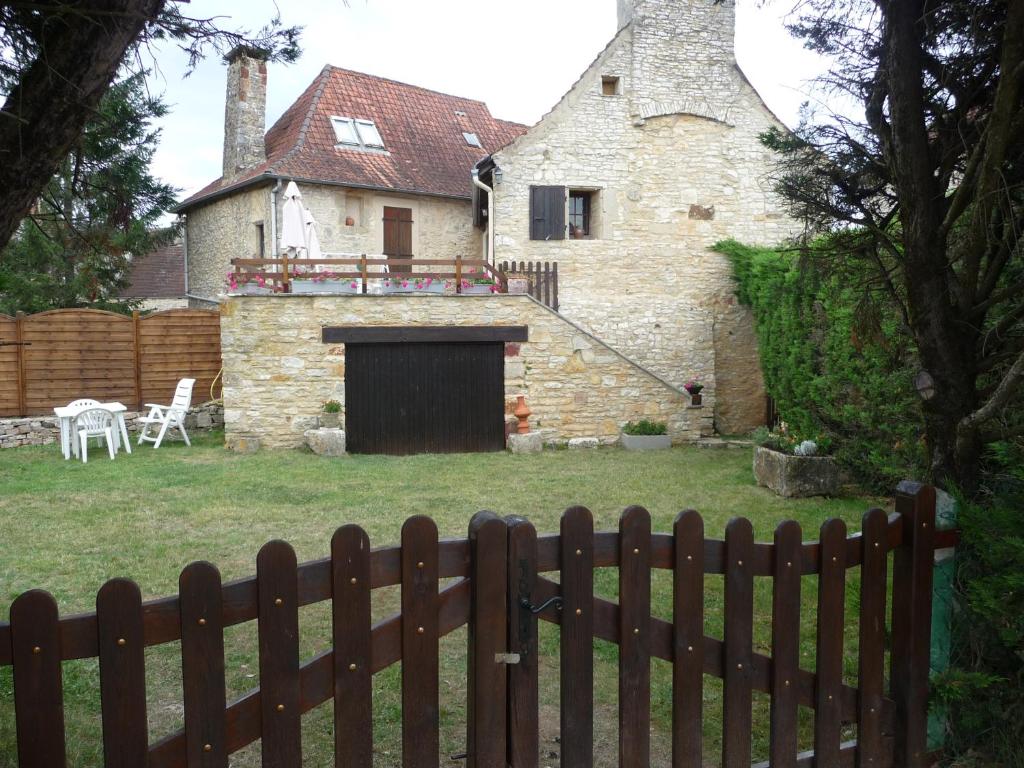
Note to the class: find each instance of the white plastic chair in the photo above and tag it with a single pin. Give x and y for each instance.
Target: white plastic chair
(95, 422)
(84, 402)
(172, 415)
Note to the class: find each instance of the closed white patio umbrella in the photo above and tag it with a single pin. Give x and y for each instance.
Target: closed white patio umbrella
(293, 223)
(312, 238)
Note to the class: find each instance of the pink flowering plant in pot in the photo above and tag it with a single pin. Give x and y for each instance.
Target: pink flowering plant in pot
(242, 282)
(478, 283)
(311, 281)
(694, 388)
(413, 283)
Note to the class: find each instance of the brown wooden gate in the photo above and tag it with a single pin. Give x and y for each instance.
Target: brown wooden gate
(494, 582)
(437, 397)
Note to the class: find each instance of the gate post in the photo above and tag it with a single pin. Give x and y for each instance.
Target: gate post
(486, 716)
(911, 622)
(523, 727)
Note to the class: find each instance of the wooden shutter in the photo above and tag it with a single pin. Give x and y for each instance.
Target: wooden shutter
(547, 213)
(397, 231)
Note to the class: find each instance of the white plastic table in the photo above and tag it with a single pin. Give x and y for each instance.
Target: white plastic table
(66, 418)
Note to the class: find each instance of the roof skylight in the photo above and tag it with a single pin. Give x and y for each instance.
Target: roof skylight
(354, 132)
(472, 139)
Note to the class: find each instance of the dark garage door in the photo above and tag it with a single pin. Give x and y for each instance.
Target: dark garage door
(444, 397)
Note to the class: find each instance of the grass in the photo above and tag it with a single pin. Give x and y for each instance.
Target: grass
(69, 527)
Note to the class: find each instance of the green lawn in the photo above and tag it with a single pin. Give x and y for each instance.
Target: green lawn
(68, 528)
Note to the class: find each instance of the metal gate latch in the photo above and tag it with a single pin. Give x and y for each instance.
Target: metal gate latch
(535, 609)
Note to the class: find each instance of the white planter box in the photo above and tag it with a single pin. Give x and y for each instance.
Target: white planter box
(435, 286)
(248, 289)
(327, 286)
(477, 290)
(646, 442)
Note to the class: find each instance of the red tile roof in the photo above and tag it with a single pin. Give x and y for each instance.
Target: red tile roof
(159, 274)
(425, 151)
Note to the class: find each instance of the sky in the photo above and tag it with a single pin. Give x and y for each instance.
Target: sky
(518, 56)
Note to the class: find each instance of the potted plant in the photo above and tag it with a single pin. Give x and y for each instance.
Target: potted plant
(476, 284)
(416, 283)
(331, 416)
(793, 466)
(645, 435)
(245, 284)
(694, 387)
(324, 282)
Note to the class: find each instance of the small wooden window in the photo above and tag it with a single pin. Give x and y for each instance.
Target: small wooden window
(611, 85)
(580, 207)
(261, 243)
(547, 213)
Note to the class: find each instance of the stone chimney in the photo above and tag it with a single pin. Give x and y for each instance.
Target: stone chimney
(245, 110)
(705, 26)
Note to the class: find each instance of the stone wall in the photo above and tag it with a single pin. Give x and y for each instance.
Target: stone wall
(43, 430)
(277, 372)
(225, 229)
(677, 165)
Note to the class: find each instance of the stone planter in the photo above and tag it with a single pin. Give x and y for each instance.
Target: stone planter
(645, 442)
(327, 286)
(435, 286)
(330, 420)
(796, 476)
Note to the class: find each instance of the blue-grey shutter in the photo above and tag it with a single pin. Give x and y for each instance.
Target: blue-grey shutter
(547, 213)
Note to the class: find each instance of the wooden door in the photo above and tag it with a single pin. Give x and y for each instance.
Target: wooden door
(398, 232)
(406, 398)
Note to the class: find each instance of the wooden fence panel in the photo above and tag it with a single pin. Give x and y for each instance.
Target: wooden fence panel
(871, 650)
(829, 657)
(202, 666)
(739, 627)
(10, 374)
(122, 655)
(38, 690)
(577, 641)
(688, 641)
(785, 645)
(77, 353)
(353, 678)
(277, 586)
(51, 358)
(487, 637)
(523, 693)
(420, 672)
(178, 344)
(634, 638)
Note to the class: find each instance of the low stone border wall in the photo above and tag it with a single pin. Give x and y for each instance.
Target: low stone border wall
(43, 430)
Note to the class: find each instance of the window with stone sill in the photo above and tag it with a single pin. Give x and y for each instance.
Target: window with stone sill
(581, 214)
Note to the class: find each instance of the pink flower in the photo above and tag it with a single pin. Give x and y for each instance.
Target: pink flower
(261, 282)
(430, 280)
(353, 284)
(405, 283)
(233, 285)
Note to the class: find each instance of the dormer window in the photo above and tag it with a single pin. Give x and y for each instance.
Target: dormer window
(472, 139)
(354, 132)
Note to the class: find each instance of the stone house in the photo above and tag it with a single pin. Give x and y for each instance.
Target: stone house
(157, 279)
(651, 157)
(383, 166)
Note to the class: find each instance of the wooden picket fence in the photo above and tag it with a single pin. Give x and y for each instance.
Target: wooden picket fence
(499, 589)
(50, 358)
(542, 278)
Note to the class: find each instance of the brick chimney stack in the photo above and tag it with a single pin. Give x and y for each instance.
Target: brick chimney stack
(245, 110)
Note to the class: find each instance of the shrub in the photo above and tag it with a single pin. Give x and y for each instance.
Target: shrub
(645, 427)
(836, 359)
(332, 406)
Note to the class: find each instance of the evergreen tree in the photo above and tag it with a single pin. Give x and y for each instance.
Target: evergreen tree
(99, 211)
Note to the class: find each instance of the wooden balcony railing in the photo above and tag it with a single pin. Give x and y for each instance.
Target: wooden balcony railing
(280, 274)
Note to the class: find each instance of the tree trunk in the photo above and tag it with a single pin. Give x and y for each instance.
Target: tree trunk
(46, 111)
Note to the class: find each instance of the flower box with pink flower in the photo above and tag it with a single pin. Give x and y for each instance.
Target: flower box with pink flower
(242, 284)
(325, 282)
(413, 284)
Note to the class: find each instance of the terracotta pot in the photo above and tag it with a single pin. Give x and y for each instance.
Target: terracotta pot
(349, 221)
(522, 412)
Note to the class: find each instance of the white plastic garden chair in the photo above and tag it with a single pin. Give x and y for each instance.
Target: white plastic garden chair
(166, 416)
(95, 422)
(84, 402)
